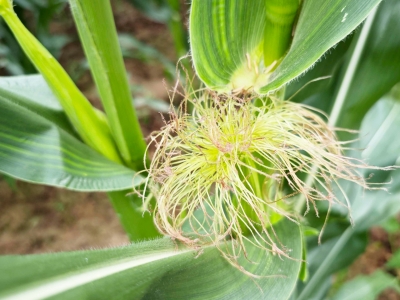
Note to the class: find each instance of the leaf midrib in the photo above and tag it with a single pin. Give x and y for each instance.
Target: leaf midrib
(59, 284)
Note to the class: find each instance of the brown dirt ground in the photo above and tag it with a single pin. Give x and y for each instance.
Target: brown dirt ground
(36, 219)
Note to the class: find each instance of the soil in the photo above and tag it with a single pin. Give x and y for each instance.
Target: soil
(37, 219)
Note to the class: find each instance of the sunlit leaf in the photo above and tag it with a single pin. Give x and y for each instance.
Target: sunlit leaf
(152, 270)
(98, 34)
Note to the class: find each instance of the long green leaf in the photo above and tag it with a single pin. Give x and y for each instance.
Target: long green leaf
(344, 65)
(377, 70)
(374, 74)
(98, 34)
(369, 207)
(35, 149)
(350, 71)
(227, 38)
(321, 25)
(152, 270)
(90, 123)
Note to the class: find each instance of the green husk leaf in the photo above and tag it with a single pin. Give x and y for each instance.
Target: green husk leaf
(227, 39)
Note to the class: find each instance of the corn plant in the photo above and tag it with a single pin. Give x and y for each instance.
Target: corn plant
(12, 58)
(263, 191)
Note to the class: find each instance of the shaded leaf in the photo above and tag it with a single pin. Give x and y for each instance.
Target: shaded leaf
(133, 48)
(33, 93)
(378, 69)
(34, 149)
(138, 224)
(366, 287)
(319, 93)
(382, 148)
(369, 207)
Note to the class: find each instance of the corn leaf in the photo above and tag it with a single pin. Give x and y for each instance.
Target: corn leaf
(366, 287)
(369, 207)
(138, 224)
(381, 148)
(32, 92)
(227, 38)
(90, 123)
(98, 34)
(363, 69)
(152, 270)
(38, 145)
(377, 71)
